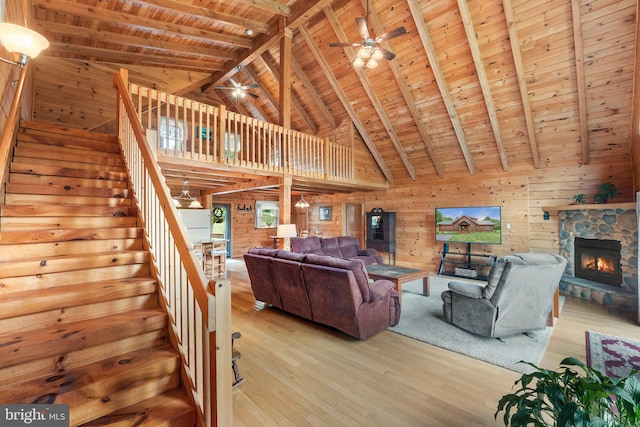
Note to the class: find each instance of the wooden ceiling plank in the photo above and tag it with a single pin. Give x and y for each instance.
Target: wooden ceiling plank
(313, 94)
(148, 43)
(582, 89)
(304, 10)
(262, 43)
(418, 17)
(304, 31)
(465, 14)
(256, 78)
(107, 55)
(332, 18)
(522, 82)
(106, 15)
(408, 98)
(268, 5)
(189, 9)
(272, 66)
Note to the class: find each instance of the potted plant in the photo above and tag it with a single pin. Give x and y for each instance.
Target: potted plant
(606, 191)
(569, 397)
(579, 199)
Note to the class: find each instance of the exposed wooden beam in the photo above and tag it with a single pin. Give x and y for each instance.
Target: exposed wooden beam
(247, 186)
(189, 9)
(418, 17)
(140, 23)
(311, 91)
(151, 44)
(465, 14)
(284, 80)
(522, 82)
(304, 10)
(121, 57)
(311, 44)
(262, 43)
(332, 18)
(268, 5)
(254, 75)
(409, 99)
(582, 90)
(272, 67)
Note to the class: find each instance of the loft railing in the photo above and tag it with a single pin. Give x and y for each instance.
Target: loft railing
(193, 130)
(199, 310)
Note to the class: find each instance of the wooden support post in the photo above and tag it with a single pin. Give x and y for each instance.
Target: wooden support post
(285, 78)
(285, 206)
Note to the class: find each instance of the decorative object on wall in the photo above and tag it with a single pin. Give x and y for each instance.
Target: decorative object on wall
(579, 199)
(21, 42)
(606, 191)
(186, 200)
(546, 216)
(244, 208)
(267, 214)
(302, 203)
(325, 213)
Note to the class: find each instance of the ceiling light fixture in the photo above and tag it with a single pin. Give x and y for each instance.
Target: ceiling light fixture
(21, 42)
(302, 203)
(185, 199)
(368, 55)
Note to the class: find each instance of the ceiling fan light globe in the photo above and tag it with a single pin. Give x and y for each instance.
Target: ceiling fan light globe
(377, 55)
(358, 62)
(363, 54)
(372, 63)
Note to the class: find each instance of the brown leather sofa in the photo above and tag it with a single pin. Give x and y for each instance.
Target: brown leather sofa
(332, 291)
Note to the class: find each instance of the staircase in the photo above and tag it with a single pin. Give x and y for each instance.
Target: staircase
(79, 317)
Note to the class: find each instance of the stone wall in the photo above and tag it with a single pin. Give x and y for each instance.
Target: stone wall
(605, 223)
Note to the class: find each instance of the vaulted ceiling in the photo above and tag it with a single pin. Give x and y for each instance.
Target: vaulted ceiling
(476, 86)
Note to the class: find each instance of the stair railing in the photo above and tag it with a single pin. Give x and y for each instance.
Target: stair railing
(199, 310)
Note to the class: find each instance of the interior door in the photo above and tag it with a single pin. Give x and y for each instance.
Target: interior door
(354, 221)
(221, 224)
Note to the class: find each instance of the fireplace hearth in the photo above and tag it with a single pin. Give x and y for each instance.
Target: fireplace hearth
(598, 260)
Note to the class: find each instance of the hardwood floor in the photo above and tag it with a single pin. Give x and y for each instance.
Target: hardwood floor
(302, 374)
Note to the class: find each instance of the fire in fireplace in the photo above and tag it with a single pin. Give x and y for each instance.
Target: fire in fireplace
(598, 260)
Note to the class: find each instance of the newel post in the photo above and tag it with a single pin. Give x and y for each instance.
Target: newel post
(220, 393)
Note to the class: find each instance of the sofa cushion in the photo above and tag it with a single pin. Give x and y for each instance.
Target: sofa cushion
(306, 245)
(292, 256)
(349, 251)
(355, 265)
(263, 251)
(330, 247)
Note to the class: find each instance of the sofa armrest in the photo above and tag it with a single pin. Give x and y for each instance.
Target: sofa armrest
(367, 252)
(378, 289)
(469, 289)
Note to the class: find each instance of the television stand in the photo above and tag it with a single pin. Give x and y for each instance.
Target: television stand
(465, 264)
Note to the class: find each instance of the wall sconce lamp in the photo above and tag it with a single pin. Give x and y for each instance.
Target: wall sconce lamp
(546, 216)
(21, 42)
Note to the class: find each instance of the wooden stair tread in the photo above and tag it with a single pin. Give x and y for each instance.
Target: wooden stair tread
(26, 345)
(40, 236)
(66, 190)
(58, 248)
(82, 156)
(55, 264)
(70, 200)
(30, 126)
(36, 162)
(11, 210)
(102, 387)
(30, 178)
(59, 170)
(63, 297)
(76, 142)
(19, 224)
(170, 409)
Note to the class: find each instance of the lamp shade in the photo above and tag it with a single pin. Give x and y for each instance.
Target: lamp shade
(286, 230)
(22, 40)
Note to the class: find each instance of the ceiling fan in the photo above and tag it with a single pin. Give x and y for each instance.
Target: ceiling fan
(239, 90)
(370, 51)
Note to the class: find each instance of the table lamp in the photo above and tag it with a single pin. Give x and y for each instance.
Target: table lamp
(286, 231)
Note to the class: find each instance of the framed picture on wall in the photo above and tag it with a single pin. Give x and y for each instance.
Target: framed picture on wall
(325, 213)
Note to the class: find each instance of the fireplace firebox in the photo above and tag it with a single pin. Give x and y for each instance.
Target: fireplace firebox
(598, 260)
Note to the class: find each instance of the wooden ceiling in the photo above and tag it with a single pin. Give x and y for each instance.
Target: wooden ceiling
(476, 86)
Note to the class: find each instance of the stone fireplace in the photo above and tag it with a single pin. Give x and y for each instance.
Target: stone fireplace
(600, 244)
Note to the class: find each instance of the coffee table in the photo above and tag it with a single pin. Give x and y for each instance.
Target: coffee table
(399, 275)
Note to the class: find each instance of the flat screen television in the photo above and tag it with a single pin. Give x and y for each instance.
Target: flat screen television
(470, 224)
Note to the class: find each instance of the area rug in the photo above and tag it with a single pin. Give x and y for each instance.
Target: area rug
(422, 319)
(613, 356)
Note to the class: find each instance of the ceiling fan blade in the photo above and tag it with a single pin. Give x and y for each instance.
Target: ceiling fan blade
(362, 26)
(387, 55)
(233, 82)
(391, 34)
(251, 86)
(253, 95)
(343, 44)
(223, 87)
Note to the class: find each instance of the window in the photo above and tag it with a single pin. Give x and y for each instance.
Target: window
(267, 214)
(232, 144)
(172, 136)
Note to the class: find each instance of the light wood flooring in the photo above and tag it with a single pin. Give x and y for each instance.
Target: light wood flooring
(302, 374)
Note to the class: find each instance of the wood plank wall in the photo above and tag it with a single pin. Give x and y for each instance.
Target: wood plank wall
(635, 126)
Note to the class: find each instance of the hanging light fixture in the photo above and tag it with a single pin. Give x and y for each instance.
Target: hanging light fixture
(21, 42)
(368, 55)
(302, 203)
(185, 199)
